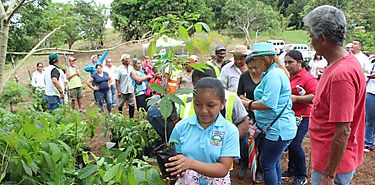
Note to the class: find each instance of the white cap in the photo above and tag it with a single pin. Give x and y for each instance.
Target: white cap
(349, 45)
(124, 56)
(194, 58)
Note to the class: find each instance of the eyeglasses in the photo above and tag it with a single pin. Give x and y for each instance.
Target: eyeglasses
(40, 66)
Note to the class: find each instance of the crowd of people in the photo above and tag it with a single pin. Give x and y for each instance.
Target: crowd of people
(281, 96)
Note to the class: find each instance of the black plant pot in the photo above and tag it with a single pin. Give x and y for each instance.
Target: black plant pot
(163, 153)
(79, 161)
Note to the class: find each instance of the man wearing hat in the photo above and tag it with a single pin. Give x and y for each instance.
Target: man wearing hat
(218, 62)
(124, 80)
(54, 79)
(74, 83)
(230, 74)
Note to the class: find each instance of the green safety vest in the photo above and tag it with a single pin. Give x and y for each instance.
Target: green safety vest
(188, 109)
(217, 69)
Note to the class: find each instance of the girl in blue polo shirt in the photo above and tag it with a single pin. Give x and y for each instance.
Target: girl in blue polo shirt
(206, 142)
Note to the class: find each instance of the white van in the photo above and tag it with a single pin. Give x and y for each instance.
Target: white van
(279, 44)
(307, 54)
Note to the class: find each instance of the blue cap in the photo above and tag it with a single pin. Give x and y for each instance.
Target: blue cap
(262, 49)
(53, 56)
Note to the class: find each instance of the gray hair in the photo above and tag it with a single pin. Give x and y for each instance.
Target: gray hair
(329, 21)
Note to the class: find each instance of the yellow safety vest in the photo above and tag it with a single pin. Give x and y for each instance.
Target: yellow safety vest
(217, 69)
(188, 109)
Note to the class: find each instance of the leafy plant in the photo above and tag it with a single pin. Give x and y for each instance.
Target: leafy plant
(12, 94)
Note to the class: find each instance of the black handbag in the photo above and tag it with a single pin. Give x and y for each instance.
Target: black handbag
(261, 134)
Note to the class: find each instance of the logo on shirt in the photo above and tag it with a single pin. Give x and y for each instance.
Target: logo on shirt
(217, 138)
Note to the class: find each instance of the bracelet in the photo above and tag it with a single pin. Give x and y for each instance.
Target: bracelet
(249, 106)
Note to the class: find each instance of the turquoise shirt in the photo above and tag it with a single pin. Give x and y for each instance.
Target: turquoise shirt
(274, 92)
(221, 139)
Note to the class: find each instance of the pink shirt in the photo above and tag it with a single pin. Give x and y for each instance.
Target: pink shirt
(340, 98)
(305, 80)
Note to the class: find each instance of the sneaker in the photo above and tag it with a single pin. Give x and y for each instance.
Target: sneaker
(287, 174)
(368, 149)
(299, 181)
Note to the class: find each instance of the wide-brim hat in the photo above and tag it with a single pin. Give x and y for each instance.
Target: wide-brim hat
(240, 50)
(262, 49)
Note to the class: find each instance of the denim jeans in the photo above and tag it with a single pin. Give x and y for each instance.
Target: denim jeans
(340, 179)
(113, 94)
(103, 96)
(244, 151)
(370, 120)
(156, 120)
(53, 102)
(297, 161)
(270, 160)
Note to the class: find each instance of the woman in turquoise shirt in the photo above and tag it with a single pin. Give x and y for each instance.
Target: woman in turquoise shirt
(271, 98)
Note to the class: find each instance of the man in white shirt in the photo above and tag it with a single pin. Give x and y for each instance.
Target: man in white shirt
(362, 58)
(111, 70)
(37, 79)
(54, 79)
(230, 74)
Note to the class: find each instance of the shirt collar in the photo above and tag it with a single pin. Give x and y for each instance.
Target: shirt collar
(273, 65)
(218, 123)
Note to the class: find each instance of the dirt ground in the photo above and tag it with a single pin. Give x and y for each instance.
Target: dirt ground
(365, 174)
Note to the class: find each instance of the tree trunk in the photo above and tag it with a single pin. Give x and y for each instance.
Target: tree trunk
(4, 32)
(247, 36)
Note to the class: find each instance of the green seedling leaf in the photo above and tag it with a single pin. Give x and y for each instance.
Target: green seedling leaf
(205, 26)
(152, 48)
(110, 173)
(182, 91)
(166, 107)
(152, 100)
(87, 171)
(183, 32)
(27, 168)
(198, 27)
(175, 99)
(199, 67)
(189, 46)
(158, 88)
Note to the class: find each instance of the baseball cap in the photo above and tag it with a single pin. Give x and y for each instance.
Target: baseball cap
(219, 48)
(53, 56)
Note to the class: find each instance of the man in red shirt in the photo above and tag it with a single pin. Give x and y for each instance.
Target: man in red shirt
(337, 119)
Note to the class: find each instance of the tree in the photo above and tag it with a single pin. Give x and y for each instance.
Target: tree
(93, 19)
(251, 15)
(5, 17)
(133, 18)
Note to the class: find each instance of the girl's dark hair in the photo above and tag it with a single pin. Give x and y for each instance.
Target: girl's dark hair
(212, 83)
(297, 55)
(39, 63)
(97, 65)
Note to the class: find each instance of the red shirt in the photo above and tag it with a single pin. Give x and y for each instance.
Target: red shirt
(305, 80)
(340, 98)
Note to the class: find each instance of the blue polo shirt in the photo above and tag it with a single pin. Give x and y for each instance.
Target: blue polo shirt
(221, 139)
(274, 92)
